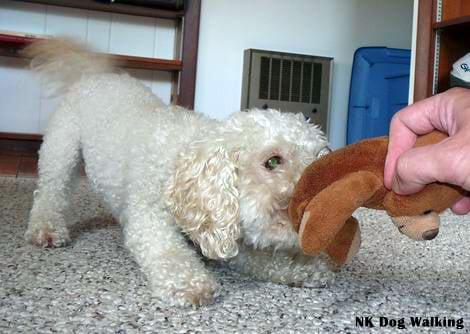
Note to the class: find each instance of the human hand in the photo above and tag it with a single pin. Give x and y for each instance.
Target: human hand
(408, 169)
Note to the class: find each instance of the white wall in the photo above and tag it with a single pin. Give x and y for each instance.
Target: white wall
(413, 52)
(24, 107)
(332, 28)
(321, 27)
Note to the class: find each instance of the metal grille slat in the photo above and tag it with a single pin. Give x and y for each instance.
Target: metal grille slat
(316, 85)
(286, 79)
(306, 82)
(275, 78)
(264, 78)
(296, 79)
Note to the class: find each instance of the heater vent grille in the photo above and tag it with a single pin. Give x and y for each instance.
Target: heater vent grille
(289, 82)
(292, 81)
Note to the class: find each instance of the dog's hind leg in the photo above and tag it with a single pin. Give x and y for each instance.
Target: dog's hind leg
(58, 166)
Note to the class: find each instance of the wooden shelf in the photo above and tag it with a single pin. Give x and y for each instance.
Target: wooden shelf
(459, 22)
(452, 9)
(11, 45)
(148, 63)
(20, 143)
(113, 8)
(20, 136)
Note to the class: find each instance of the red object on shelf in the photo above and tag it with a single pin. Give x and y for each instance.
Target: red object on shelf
(12, 43)
(17, 39)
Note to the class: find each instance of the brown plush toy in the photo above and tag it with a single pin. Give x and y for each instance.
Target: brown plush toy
(334, 186)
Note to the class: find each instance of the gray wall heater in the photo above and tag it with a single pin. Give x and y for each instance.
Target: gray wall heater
(288, 82)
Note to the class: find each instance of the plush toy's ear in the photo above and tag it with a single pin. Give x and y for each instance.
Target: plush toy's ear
(346, 243)
(327, 212)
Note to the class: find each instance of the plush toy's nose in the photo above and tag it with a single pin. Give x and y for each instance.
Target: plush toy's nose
(431, 234)
(422, 227)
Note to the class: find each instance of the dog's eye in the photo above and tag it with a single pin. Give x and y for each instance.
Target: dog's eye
(273, 162)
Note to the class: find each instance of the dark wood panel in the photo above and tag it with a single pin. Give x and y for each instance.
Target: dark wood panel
(187, 86)
(21, 136)
(19, 147)
(452, 9)
(463, 21)
(113, 8)
(9, 165)
(28, 167)
(20, 143)
(424, 51)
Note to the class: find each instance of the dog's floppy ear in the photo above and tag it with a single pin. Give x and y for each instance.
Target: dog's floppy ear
(202, 194)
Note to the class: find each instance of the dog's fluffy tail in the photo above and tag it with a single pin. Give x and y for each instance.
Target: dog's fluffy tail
(64, 62)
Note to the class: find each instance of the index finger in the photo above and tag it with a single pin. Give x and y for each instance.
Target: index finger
(417, 119)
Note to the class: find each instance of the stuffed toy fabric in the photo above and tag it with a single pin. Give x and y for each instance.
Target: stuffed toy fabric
(334, 186)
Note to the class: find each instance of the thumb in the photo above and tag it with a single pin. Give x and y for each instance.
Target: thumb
(462, 206)
(417, 168)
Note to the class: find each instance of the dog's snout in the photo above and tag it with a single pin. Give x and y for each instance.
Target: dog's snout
(284, 203)
(431, 234)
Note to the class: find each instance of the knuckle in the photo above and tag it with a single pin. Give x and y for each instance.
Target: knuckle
(458, 171)
(395, 119)
(402, 167)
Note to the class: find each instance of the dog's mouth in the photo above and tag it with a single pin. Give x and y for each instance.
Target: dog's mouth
(283, 204)
(273, 230)
(282, 214)
(281, 218)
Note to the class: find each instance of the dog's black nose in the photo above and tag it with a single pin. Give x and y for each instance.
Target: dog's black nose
(431, 234)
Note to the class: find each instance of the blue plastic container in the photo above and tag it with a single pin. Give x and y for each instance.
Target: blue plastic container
(379, 88)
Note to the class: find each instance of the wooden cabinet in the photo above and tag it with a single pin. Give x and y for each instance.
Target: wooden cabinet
(443, 36)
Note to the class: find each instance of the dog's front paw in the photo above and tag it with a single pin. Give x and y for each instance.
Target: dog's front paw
(200, 295)
(45, 235)
(313, 272)
(194, 292)
(319, 280)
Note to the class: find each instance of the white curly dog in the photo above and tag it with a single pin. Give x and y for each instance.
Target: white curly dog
(166, 173)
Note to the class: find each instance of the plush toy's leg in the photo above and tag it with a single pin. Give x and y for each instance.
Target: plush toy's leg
(346, 243)
(328, 211)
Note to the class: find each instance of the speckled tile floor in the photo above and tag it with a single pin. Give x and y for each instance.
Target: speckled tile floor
(93, 285)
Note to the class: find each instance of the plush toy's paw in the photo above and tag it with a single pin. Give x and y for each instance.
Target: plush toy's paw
(346, 243)
(422, 227)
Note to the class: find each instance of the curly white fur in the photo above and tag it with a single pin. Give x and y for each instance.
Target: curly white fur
(202, 194)
(166, 172)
